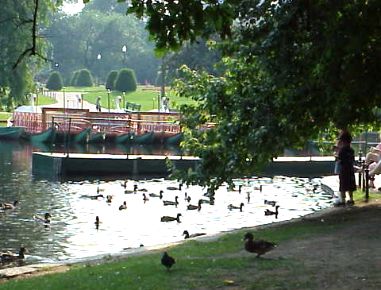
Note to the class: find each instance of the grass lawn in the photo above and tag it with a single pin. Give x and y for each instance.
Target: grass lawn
(3, 118)
(305, 248)
(147, 97)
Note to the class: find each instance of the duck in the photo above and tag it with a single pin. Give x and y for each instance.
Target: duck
(145, 198)
(170, 218)
(124, 184)
(160, 195)
(108, 198)
(169, 202)
(167, 261)
(231, 206)
(270, 212)
(97, 222)
(93, 196)
(187, 197)
(45, 219)
(193, 207)
(5, 205)
(232, 188)
(270, 202)
(188, 236)
(175, 188)
(123, 206)
(210, 200)
(99, 190)
(259, 247)
(9, 257)
(127, 191)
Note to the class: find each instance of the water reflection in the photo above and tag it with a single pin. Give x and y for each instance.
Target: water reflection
(73, 233)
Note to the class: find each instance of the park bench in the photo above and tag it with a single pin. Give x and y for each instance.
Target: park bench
(132, 107)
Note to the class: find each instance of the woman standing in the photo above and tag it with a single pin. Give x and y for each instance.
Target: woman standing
(346, 157)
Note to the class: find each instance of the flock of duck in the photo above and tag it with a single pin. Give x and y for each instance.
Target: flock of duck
(251, 245)
(259, 247)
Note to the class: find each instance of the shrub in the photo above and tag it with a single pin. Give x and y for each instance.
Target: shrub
(126, 81)
(54, 82)
(84, 78)
(110, 82)
(74, 77)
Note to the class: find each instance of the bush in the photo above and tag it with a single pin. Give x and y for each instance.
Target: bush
(126, 81)
(84, 78)
(74, 77)
(54, 82)
(110, 82)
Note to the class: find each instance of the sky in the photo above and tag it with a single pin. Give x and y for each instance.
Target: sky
(73, 8)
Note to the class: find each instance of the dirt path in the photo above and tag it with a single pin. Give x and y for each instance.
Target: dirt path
(347, 258)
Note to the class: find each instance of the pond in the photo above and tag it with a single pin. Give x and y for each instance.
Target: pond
(72, 234)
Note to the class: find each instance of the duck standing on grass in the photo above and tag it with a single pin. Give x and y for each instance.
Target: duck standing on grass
(188, 236)
(9, 257)
(167, 261)
(259, 247)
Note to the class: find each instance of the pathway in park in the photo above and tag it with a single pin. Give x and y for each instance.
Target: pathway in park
(72, 100)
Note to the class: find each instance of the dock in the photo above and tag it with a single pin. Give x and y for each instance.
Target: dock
(78, 164)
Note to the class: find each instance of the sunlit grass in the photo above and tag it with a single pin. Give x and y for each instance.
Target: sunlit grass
(147, 97)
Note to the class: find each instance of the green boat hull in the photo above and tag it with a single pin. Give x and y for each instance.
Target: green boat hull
(175, 139)
(47, 136)
(146, 138)
(11, 133)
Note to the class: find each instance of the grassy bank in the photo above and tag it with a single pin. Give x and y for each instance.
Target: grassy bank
(145, 96)
(301, 261)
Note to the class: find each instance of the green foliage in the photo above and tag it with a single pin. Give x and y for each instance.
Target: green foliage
(54, 82)
(292, 70)
(126, 81)
(111, 78)
(74, 77)
(84, 78)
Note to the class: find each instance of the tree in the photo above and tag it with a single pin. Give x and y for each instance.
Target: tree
(126, 81)
(110, 82)
(74, 78)
(54, 82)
(22, 50)
(84, 78)
(292, 70)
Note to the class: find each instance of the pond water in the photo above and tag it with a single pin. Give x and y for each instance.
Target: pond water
(72, 233)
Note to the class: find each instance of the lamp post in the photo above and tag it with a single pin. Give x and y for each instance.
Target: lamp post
(99, 57)
(124, 51)
(124, 101)
(108, 99)
(153, 103)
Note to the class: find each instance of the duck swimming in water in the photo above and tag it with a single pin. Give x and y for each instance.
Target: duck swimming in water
(169, 202)
(123, 206)
(231, 206)
(270, 212)
(160, 195)
(259, 247)
(170, 218)
(45, 219)
(270, 202)
(193, 207)
(6, 205)
(9, 257)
